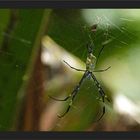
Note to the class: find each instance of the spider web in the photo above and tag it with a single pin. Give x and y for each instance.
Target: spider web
(114, 36)
(112, 33)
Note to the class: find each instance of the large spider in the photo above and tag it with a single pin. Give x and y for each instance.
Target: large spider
(89, 72)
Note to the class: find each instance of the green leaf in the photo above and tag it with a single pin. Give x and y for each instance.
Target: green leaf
(17, 57)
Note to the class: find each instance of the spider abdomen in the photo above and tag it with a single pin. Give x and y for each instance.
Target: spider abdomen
(90, 63)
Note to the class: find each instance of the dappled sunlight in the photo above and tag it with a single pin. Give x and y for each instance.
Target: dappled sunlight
(126, 106)
(53, 54)
(123, 81)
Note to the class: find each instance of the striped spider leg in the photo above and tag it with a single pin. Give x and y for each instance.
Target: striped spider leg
(90, 65)
(72, 95)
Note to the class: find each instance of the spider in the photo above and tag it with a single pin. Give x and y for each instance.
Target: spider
(89, 72)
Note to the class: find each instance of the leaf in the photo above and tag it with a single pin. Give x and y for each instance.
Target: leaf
(18, 57)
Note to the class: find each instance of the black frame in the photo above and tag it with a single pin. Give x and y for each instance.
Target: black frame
(70, 4)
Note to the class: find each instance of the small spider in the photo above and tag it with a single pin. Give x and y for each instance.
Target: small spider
(89, 72)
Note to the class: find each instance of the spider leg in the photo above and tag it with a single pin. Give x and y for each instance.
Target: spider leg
(74, 93)
(103, 69)
(107, 98)
(102, 93)
(102, 114)
(100, 99)
(65, 99)
(60, 116)
(73, 67)
(103, 46)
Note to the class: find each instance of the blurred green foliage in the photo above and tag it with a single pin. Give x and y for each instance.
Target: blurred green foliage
(20, 37)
